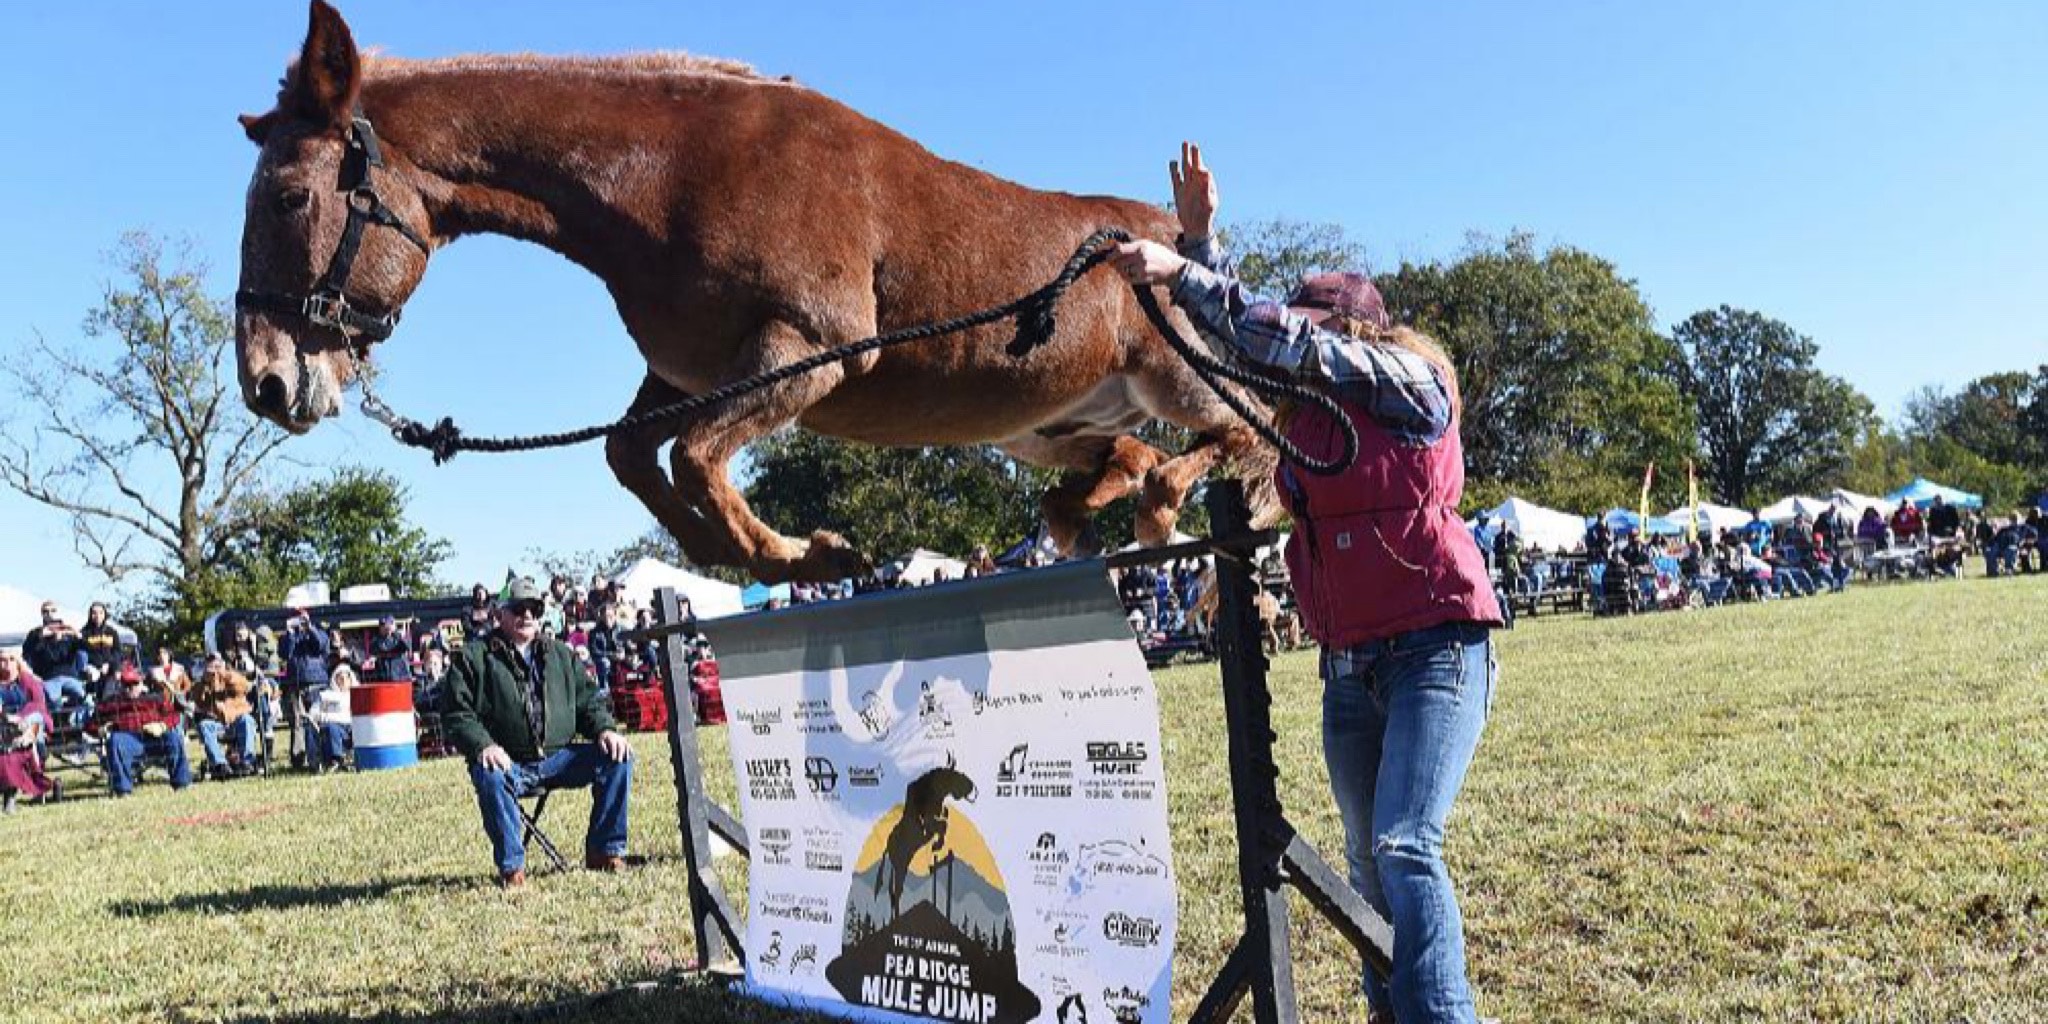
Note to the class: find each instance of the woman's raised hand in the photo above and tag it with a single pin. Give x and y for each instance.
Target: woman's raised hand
(1194, 192)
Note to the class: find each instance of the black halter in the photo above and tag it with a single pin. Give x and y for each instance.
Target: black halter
(329, 304)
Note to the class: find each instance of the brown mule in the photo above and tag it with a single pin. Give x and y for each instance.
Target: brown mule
(740, 223)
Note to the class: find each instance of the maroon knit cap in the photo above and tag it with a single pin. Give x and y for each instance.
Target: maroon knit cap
(1353, 296)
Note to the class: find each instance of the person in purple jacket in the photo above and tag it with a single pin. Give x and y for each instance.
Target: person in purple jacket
(1387, 577)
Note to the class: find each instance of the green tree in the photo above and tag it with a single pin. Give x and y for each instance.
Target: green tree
(1560, 370)
(348, 528)
(1274, 255)
(2002, 418)
(887, 501)
(135, 429)
(1769, 422)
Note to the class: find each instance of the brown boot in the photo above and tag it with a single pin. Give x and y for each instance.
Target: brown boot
(604, 862)
(513, 879)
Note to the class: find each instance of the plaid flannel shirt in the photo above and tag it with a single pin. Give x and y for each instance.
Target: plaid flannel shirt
(131, 714)
(1399, 389)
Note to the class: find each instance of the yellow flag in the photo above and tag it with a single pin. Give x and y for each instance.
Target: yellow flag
(1692, 492)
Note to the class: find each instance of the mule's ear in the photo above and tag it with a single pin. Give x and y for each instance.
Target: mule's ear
(257, 126)
(329, 75)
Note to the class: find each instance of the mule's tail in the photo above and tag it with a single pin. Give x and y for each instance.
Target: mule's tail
(1253, 465)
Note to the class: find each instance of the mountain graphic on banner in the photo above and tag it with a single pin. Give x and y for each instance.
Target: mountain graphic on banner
(924, 965)
(930, 932)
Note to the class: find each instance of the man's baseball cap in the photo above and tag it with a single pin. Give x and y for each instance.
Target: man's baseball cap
(522, 591)
(1354, 296)
(387, 621)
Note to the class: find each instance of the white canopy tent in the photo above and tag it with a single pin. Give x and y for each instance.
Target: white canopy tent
(21, 611)
(709, 598)
(920, 566)
(1545, 527)
(1714, 517)
(1850, 504)
(1787, 509)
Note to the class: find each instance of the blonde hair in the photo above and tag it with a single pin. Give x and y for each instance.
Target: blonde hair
(1400, 337)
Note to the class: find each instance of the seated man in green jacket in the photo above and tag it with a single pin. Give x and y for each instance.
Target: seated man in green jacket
(511, 702)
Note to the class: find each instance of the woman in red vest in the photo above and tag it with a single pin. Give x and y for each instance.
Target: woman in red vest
(1389, 580)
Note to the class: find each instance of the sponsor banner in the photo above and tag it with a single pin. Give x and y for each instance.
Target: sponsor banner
(955, 803)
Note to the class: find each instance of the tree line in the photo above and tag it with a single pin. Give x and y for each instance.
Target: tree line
(1569, 390)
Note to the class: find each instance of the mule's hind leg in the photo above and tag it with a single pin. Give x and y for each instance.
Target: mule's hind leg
(1099, 470)
(731, 535)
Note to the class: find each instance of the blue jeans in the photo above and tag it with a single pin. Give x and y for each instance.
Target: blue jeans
(572, 767)
(1401, 719)
(2001, 560)
(242, 732)
(125, 751)
(69, 702)
(326, 744)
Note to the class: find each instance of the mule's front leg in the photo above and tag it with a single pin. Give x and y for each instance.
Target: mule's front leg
(635, 459)
(726, 532)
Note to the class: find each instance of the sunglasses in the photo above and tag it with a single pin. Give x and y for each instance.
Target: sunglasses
(527, 609)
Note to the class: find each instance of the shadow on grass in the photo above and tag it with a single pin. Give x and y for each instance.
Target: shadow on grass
(289, 897)
(700, 999)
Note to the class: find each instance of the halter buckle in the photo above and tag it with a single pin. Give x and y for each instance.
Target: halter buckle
(325, 310)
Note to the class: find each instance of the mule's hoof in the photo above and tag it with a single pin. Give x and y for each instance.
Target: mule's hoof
(1088, 544)
(830, 559)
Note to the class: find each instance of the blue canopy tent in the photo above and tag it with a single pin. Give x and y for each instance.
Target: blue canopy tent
(759, 594)
(1922, 491)
(1620, 520)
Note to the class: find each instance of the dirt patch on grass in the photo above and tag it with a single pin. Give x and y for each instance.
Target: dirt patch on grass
(213, 819)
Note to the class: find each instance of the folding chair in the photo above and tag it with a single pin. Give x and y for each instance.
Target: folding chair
(531, 822)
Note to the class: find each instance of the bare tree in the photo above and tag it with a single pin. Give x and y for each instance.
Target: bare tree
(137, 430)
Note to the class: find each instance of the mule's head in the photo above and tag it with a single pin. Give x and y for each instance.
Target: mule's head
(334, 238)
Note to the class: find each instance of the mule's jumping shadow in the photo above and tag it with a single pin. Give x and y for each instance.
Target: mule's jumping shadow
(291, 897)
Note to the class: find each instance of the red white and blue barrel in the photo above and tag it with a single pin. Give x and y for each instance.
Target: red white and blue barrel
(382, 725)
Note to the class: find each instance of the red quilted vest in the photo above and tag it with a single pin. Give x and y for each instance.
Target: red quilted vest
(1378, 549)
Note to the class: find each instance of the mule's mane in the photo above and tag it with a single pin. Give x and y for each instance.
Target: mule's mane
(651, 64)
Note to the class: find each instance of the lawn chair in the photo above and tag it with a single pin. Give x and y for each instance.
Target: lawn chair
(530, 824)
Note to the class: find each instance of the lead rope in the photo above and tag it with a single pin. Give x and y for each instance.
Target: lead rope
(1035, 325)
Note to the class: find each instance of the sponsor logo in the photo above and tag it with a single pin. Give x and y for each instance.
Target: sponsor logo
(1134, 932)
(1115, 861)
(803, 909)
(1126, 1004)
(1072, 1010)
(815, 717)
(1113, 757)
(770, 778)
(1021, 775)
(983, 703)
(932, 714)
(863, 776)
(822, 851)
(1012, 767)
(1063, 929)
(1048, 861)
(820, 773)
(775, 844)
(1116, 769)
(875, 715)
(805, 959)
(761, 720)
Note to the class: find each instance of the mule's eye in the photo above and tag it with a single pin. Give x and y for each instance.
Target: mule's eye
(294, 199)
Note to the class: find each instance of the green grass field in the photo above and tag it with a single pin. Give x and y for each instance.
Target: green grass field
(1833, 809)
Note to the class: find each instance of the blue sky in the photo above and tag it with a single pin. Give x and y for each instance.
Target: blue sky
(1871, 173)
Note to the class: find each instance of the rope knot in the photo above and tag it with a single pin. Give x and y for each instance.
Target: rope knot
(443, 439)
